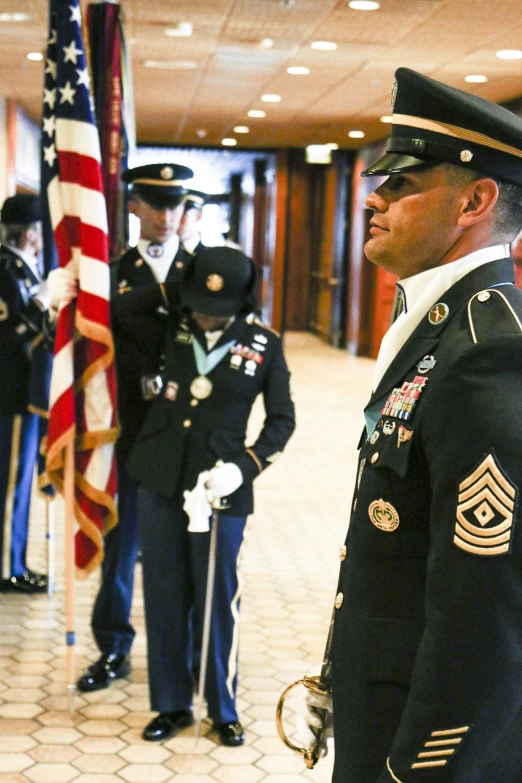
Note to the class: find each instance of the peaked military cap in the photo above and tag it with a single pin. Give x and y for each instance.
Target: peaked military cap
(161, 185)
(24, 208)
(219, 282)
(434, 123)
(195, 199)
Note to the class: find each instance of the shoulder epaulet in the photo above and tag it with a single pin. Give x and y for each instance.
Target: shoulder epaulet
(488, 296)
(253, 320)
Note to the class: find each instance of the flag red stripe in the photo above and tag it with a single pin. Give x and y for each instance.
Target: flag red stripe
(80, 170)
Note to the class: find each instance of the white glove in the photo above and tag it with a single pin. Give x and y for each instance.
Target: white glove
(222, 481)
(197, 507)
(62, 286)
(308, 719)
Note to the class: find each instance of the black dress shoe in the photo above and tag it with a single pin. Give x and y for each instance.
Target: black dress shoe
(109, 667)
(166, 725)
(231, 734)
(27, 582)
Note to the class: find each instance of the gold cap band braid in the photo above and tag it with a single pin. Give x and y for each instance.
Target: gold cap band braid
(159, 182)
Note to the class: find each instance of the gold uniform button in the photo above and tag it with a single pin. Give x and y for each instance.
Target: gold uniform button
(339, 598)
(194, 403)
(179, 264)
(374, 458)
(187, 423)
(342, 553)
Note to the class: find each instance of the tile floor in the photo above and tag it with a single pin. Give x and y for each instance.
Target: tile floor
(290, 573)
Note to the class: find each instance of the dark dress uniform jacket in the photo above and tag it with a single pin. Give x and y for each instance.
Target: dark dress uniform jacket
(182, 436)
(138, 311)
(427, 647)
(22, 323)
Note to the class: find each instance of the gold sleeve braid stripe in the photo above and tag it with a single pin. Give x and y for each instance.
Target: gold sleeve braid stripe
(256, 459)
(441, 743)
(456, 132)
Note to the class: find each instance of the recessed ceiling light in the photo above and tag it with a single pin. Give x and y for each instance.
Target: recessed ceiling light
(387, 118)
(201, 133)
(241, 129)
(181, 30)
(333, 145)
(476, 78)
(325, 46)
(229, 142)
(171, 65)
(509, 54)
(256, 113)
(271, 98)
(16, 17)
(364, 5)
(298, 70)
(35, 56)
(355, 134)
(266, 43)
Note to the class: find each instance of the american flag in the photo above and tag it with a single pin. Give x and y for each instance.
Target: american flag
(83, 384)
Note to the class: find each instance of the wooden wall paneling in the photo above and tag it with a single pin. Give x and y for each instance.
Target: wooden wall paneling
(343, 162)
(297, 282)
(279, 216)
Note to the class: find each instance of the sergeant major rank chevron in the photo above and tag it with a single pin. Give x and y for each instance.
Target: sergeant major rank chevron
(488, 498)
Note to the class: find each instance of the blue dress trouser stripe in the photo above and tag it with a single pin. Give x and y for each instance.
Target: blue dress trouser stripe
(175, 565)
(21, 500)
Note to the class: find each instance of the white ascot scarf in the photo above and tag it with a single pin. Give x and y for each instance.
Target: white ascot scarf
(159, 266)
(420, 292)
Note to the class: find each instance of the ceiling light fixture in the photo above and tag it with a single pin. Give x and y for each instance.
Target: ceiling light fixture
(266, 43)
(229, 142)
(5, 16)
(271, 98)
(298, 70)
(256, 113)
(181, 30)
(387, 118)
(324, 46)
(356, 134)
(364, 5)
(476, 78)
(509, 54)
(241, 129)
(35, 56)
(171, 65)
(333, 145)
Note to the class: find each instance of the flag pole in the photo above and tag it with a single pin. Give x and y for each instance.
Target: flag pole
(69, 572)
(49, 517)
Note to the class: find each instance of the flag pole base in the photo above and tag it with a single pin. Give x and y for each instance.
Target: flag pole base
(71, 692)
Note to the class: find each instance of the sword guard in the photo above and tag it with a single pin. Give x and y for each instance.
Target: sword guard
(312, 683)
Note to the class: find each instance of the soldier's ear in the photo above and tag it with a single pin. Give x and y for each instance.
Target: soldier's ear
(478, 200)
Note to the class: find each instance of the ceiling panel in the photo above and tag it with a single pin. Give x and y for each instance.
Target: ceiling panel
(347, 88)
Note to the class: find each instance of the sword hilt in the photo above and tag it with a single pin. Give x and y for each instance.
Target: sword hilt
(316, 685)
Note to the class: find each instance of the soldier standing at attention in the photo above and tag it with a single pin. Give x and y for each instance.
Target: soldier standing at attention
(219, 358)
(151, 271)
(427, 639)
(190, 225)
(24, 304)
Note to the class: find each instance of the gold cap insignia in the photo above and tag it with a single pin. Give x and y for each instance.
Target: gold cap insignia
(383, 515)
(215, 283)
(466, 156)
(167, 172)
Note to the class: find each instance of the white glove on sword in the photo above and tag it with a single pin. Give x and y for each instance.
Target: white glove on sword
(310, 723)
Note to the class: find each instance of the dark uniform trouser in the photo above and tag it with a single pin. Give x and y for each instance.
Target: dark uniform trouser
(110, 618)
(175, 565)
(18, 454)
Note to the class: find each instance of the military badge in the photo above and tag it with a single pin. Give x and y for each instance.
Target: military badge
(215, 283)
(403, 435)
(438, 313)
(485, 510)
(260, 338)
(171, 391)
(167, 172)
(401, 402)
(250, 367)
(426, 364)
(375, 437)
(258, 347)
(235, 361)
(389, 427)
(383, 515)
(466, 156)
(155, 250)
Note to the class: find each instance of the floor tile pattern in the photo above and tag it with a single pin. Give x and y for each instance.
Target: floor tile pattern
(290, 569)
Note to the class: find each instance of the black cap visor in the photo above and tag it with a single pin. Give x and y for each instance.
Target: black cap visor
(211, 305)
(394, 162)
(157, 198)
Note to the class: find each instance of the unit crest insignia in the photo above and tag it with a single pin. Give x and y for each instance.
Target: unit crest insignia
(485, 510)
(215, 283)
(383, 515)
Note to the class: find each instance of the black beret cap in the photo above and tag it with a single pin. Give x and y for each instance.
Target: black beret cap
(219, 282)
(434, 123)
(161, 185)
(24, 208)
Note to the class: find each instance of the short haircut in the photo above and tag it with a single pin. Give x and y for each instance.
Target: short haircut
(508, 209)
(12, 233)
